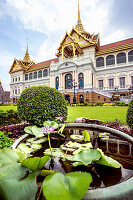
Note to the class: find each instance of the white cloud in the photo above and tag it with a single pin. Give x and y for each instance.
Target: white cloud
(114, 37)
(55, 17)
(6, 60)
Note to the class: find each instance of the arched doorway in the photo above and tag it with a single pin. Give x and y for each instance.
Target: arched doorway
(67, 98)
(81, 99)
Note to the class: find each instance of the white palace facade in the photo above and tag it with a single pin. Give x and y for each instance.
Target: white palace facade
(94, 72)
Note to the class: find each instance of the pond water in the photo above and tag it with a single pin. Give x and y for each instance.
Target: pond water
(103, 176)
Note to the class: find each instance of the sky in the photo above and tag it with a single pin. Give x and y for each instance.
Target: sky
(45, 22)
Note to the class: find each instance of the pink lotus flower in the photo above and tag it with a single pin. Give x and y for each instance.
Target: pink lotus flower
(59, 118)
(48, 130)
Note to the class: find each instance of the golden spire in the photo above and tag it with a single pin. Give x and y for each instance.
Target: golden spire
(79, 19)
(27, 57)
(79, 25)
(0, 82)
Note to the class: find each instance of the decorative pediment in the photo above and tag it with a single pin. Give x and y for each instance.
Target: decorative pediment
(16, 66)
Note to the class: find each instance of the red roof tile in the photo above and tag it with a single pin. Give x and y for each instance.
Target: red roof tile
(44, 63)
(116, 44)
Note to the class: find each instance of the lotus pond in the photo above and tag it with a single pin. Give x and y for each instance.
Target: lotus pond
(65, 162)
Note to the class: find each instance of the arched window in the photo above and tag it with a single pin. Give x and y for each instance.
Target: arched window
(121, 58)
(81, 99)
(100, 62)
(57, 82)
(68, 81)
(81, 80)
(40, 74)
(130, 56)
(110, 60)
(35, 74)
(26, 77)
(45, 72)
(30, 76)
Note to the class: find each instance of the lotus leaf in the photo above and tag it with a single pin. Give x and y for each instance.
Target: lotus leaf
(83, 147)
(34, 130)
(71, 186)
(85, 157)
(36, 146)
(8, 156)
(108, 161)
(23, 147)
(55, 152)
(78, 138)
(50, 124)
(37, 140)
(86, 136)
(37, 131)
(72, 144)
(35, 163)
(46, 172)
(28, 129)
(12, 187)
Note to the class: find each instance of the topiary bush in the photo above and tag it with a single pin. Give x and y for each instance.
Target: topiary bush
(130, 114)
(40, 103)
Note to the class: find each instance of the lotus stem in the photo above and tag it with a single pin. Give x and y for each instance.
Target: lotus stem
(49, 144)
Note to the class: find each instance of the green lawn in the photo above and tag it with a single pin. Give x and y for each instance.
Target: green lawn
(102, 113)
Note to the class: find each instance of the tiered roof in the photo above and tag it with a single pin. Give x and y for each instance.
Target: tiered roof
(114, 47)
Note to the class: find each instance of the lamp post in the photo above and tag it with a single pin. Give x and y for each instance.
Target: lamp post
(74, 86)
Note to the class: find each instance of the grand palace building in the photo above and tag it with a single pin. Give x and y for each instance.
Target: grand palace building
(82, 68)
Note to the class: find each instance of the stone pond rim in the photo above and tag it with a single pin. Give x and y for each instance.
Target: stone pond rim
(119, 191)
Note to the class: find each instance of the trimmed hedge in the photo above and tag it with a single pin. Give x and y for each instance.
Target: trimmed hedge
(9, 117)
(40, 103)
(130, 115)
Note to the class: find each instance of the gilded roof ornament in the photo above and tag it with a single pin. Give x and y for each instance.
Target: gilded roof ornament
(27, 56)
(79, 25)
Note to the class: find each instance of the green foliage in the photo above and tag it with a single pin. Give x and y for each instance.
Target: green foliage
(40, 103)
(4, 140)
(16, 182)
(9, 117)
(35, 163)
(85, 157)
(50, 124)
(34, 130)
(11, 188)
(130, 114)
(99, 104)
(108, 161)
(86, 136)
(71, 186)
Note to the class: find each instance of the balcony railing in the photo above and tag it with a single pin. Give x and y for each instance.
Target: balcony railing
(113, 87)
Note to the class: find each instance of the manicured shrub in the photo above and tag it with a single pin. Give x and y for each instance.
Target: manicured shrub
(99, 104)
(41, 103)
(80, 104)
(130, 114)
(107, 104)
(9, 117)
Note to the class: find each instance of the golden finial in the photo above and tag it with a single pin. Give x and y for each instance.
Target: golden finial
(79, 27)
(0, 82)
(79, 19)
(27, 57)
(27, 46)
